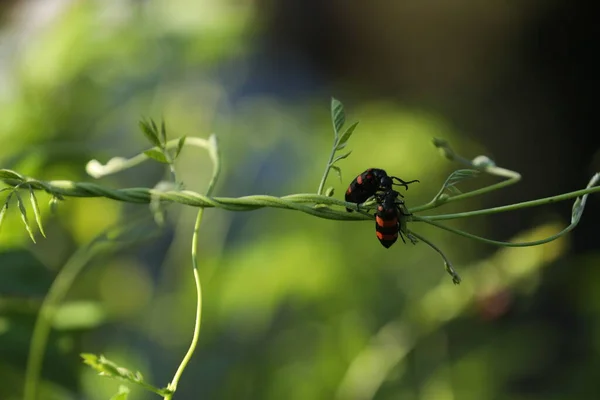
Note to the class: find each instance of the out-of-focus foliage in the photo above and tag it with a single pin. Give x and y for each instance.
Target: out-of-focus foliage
(295, 307)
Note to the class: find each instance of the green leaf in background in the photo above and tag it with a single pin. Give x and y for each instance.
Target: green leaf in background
(345, 136)
(338, 116)
(149, 129)
(36, 211)
(79, 315)
(122, 394)
(157, 155)
(105, 367)
(23, 211)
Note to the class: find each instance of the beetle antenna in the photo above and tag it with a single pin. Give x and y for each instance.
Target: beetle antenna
(403, 183)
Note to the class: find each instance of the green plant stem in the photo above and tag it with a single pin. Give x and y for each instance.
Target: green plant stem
(449, 268)
(512, 207)
(497, 242)
(491, 169)
(248, 203)
(57, 292)
(190, 198)
(215, 156)
(576, 215)
(117, 164)
(328, 167)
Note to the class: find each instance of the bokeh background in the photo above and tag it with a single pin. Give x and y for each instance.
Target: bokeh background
(296, 307)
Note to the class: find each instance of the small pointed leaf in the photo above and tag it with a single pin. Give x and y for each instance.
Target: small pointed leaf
(157, 155)
(329, 191)
(579, 203)
(338, 170)
(36, 211)
(338, 116)
(345, 136)
(9, 174)
(341, 146)
(163, 132)
(341, 157)
(3, 210)
(180, 145)
(23, 211)
(149, 129)
(105, 367)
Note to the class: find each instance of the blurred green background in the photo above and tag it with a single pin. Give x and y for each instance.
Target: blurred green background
(296, 307)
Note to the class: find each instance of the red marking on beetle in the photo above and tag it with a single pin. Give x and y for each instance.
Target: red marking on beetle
(349, 190)
(384, 223)
(382, 236)
(359, 180)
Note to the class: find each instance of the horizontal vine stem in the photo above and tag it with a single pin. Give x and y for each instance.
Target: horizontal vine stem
(190, 198)
(513, 207)
(249, 203)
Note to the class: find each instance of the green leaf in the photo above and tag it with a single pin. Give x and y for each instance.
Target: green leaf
(36, 211)
(122, 394)
(163, 132)
(149, 129)
(338, 170)
(180, 145)
(579, 204)
(458, 176)
(9, 174)
(157, 155)
(105, 367)
(338, 116)
(23, 211)
(345, 136)
(341, 157)
(329, 191)
(341, 146)
(4, 208)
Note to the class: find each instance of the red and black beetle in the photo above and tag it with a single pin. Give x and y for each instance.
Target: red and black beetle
(388, 218)
(369, 183)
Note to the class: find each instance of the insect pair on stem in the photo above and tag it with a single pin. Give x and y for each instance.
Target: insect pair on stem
(391, 212)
